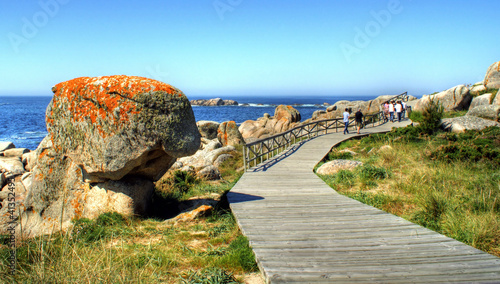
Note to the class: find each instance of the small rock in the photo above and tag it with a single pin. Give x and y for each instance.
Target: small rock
(334, 166)
(29, 160)
(209, 173)
(13, 165)
(6, 145)
(191, 215)
(15, 152)
(221, 159)
(480, 101)
(348, 151)
(228, 134)
(385, 148)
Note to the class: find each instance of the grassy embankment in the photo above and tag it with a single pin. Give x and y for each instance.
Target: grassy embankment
(117, 249)
(447, 182)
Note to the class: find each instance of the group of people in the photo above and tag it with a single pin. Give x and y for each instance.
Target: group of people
(358, 117)
(392, 110)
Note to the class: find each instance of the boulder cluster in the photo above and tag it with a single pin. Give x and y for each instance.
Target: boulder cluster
(480, 100)
(109, 139)
(214, 102)
(285, 118)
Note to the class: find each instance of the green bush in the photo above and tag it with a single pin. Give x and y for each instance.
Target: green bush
(369, 172)
(431, 117)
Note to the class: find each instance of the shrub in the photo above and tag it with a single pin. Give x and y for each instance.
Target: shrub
(431, 116)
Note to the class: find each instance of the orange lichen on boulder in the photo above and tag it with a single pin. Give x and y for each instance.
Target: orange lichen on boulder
(106, 97)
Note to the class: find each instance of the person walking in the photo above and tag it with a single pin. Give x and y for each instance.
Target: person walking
(386, 111)
(359, 119)
(403, 114)
(399, 108)
(391, 111)
(346, 121)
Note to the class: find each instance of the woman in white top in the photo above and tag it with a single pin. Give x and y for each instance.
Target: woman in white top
(391, 111)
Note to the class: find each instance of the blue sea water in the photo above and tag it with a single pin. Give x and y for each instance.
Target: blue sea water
(22, 119)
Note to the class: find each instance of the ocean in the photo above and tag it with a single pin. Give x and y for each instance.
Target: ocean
(22, 119)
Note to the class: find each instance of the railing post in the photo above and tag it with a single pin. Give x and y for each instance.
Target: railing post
(244, 159)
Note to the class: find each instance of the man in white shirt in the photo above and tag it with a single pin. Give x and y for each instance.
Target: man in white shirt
(399, 108)
(346, 121)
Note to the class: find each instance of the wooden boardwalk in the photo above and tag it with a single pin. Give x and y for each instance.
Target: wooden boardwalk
(302, 231)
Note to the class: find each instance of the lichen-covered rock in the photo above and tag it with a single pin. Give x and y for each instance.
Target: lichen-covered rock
(229, 135)
(467, 122)
(492, 78)
(480, 100)
(334, 166)
(208, 129)
(114, 126)
(490, 112)
(454, 99)
(288, 112)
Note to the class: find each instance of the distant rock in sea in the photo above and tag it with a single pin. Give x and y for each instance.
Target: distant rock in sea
(213, 102)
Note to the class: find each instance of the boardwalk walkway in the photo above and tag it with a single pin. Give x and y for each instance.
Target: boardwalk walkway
(301, 230)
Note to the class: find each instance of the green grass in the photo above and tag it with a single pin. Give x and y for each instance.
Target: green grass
(120, 249)
(449, 183)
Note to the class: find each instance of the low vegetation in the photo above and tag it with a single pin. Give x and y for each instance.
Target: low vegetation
(118, 249)
(447, 182)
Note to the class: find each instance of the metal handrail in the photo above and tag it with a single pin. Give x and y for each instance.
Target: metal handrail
(274, 145)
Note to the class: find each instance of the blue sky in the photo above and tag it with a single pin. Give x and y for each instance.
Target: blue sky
(251, 47)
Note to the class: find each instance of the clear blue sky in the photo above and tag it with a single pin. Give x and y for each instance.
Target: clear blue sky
(251, 47)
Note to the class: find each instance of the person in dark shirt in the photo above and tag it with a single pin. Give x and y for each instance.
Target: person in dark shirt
(359, 119)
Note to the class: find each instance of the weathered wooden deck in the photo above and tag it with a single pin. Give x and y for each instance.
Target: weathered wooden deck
(301, 230)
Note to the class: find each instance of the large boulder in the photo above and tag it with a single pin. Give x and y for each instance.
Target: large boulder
(287, 112)
(114, 126)
(482, 100)
(454, 99)
(208, 129)
(490, 112)
(467, 122)
(228, 134)
(285, 118)
(492, 78)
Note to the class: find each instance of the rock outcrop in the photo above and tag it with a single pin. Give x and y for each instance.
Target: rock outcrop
(214, 102)
(208, 129)
(492, 78)
(490, 112)
(482, 100)
(367, 107)
(109, 139)
(454, 99)
(229, 135)
(285, 118)
(460, 124)
(115, 126)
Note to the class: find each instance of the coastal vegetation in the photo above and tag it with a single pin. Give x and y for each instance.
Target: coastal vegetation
(118, 249)
(446, 182)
